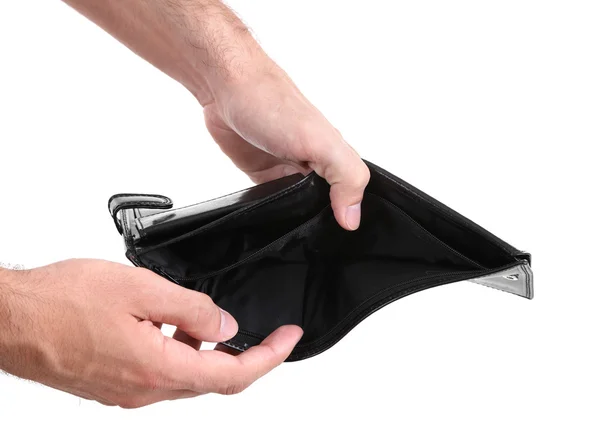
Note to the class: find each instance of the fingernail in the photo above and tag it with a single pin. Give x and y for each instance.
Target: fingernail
(353, 216)
(228, 325)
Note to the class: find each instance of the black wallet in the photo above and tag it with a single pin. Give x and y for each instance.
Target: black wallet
(274, 254)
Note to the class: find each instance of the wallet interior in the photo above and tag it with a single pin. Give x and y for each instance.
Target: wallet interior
(275, 254)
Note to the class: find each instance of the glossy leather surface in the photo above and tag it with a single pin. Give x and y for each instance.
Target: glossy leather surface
(517, 280)
(122, 201)
(274, 255)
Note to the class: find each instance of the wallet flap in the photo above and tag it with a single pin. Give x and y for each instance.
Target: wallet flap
(123, 201)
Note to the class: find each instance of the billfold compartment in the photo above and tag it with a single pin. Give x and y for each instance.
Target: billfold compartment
(281, 258)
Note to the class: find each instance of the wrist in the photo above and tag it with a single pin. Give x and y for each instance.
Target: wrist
(221, 72)
(221, 53)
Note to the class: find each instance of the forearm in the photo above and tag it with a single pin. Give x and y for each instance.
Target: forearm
(200, 43)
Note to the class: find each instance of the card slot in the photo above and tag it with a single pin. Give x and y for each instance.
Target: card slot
(276, 245)
(226, 246)
(161, 226)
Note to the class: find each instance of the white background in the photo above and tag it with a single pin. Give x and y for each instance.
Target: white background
(491, 107)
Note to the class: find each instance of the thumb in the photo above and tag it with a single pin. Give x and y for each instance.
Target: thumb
(348, 176)
(192, 312)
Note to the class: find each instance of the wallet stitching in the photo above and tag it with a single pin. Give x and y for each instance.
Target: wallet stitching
(460, 221)
(124, 205)
(252, 334)
(239, 213)
(235, 345)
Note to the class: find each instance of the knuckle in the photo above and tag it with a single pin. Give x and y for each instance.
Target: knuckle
(306, 142)
(203, 299)
(359, 177)
(206, 310)
(363, 175)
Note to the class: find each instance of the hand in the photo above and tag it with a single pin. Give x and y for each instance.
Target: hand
(270, 130)
(252, 108)
(91, 328)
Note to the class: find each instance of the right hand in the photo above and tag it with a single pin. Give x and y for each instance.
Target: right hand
(253, 110)
(266, 126)
(92, 328)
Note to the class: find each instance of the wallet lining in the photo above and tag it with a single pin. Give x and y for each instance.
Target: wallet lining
(332, 287)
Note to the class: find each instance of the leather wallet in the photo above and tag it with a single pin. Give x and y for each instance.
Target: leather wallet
(274, 254)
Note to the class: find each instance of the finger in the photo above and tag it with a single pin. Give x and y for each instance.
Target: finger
(348, 176)
(181, 336)
(227, 350)
(193, 312)
(158, 325)
(226, 374)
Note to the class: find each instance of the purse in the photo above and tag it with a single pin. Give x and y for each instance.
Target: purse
(274, 254)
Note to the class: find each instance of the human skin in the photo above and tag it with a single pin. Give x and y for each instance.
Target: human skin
(91, 327)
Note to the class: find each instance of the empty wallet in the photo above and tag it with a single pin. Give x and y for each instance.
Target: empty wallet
(274, 254)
